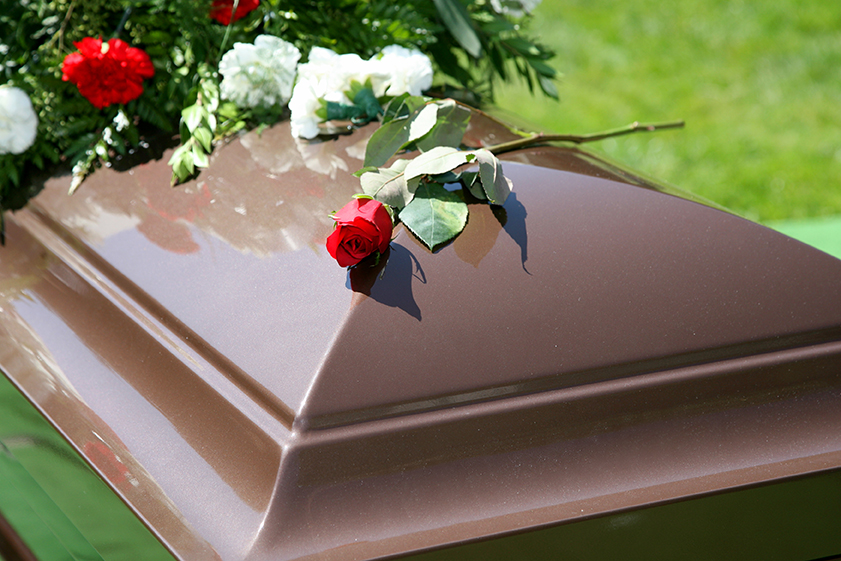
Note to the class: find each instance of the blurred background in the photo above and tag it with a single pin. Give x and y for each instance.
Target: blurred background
(758, 83)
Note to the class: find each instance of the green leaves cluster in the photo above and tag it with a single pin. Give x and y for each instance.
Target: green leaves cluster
(471, 46)
(496, 47)
(429, 192)
(467, 40)
(198, 126)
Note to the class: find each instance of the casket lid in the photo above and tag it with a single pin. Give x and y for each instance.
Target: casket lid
(580, 277)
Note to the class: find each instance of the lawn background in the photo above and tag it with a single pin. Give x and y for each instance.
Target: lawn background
(758, 83)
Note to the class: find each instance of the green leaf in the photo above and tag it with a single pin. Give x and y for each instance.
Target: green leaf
(542, 68)
(435, 215)
(438, 160)
(192, 116)
(470, 179)
(457, 20)
(11, 170)
(81, 144)
(366, 169)
(188, 165)
(389, 185)
(210, 95)
(449, 62)
(449, 128)
(548, 86)
(402, 106)
(522, 46)
(158, 36)
(151, 114)
(496, 186)
(183, 162)
(446, 177)
(430, 124)
(204, 137)
(228, 110)
(200, 158)
(177, 155)
(386, 141)
(423, 122)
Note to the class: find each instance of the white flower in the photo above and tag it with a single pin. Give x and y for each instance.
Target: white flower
(18, 121)
(327, 76)
(121, 121)
(303, 105)
(401, 70)
(259, 74)
(514, 8)
(330, 74)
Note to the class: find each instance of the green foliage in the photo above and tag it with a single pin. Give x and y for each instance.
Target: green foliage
(185, 46)
(414, 188)
(389, 185)
(409, 123)
(467, 40)
(198, 123)
(457, 20)
(495, 186)
(435, 215)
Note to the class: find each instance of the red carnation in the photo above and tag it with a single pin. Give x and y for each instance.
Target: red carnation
(107, 73)
(221, 9)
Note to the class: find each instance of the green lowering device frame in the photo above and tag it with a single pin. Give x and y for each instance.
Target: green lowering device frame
(51, 500)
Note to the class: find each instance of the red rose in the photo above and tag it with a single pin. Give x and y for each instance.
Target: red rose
(363, 226)
(221, 10)
(107, 73)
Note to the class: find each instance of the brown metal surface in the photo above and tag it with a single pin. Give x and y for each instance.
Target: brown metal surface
(595, 346)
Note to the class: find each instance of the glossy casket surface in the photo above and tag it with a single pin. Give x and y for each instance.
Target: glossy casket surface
(596, 346)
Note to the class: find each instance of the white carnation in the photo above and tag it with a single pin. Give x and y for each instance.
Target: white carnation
(303, 105)
(327, 76)
(259, 74)
(514, 8)
(18, 121)
(330, 74)
(401, 70)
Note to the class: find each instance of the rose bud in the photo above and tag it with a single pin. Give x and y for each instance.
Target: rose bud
(363, 227)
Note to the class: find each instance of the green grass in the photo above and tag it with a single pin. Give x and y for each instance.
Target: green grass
(758, 83)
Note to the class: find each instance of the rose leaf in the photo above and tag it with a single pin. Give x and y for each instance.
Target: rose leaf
(389, 185)
(402, 106)
(470, 179)
(440, 159)
(435, 216)
(450, 128)
(386, 141)
(497, 187)
(423, 122)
